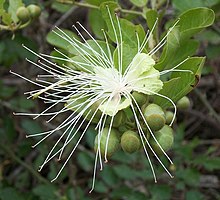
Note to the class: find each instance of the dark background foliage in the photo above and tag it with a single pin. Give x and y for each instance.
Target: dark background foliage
(196, 152)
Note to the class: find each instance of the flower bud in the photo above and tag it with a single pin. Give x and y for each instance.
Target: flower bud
(169, 117)
(183, 103)
(23, 14)
(34, 10)
(154, 116)
(119, 119)
(113, 142)
(164, 137)
(140, 98)
(130, 141)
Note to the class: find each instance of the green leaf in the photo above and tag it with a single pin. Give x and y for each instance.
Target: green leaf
(46, 192)
(90, 136)
(13, 6)
(175, 50)
(128, 53)
(10, 194)
(182, 82)
(129, 31)
(57, 41)
(9, 129)
(22, 103)
(100, 187)
(97, 46)
(98, 2)
(139, 3)
(5, 17)
(210, 164)
(30, 126)
(194, 194)
(6, 91)
(213, 51)
(109, 176)
(151, 16)
(122, 191)
(194, 20)
(125, 172)
(137, 195)
(59, 57)
(190, 176)
(188, 4)
(97, 23)
(161, 192)
(85, 161)
(13, 50)
(209, 35)
(61, 7)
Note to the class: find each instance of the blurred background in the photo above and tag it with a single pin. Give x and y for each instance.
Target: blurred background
(196, 151)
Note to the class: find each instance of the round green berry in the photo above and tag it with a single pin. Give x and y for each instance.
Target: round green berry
(154, 116)
(140, 98)
(34, 10)
(183, 103)
(113, 142)
(23, 14)
(169, 116)
(164, 137)
(130, 141)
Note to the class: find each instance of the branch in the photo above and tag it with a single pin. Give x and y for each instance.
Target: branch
(26, 166)
(86, 5)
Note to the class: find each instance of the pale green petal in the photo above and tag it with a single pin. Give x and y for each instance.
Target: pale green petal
(110, 108)
(148, 82)
(140, 64)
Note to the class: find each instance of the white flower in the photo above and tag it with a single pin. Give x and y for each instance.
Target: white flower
(93, 87)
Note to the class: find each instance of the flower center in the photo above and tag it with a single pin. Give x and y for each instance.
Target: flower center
(111, 81)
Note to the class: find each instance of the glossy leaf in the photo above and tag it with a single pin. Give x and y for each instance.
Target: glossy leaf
(194, 20)
(182, 82)
(97, 23)
(98, 2)
(175, 52)
(5, 17)
(99, 47)
(10, 194)
(188, 4)
(129, 31)
(139, 3)
(128, 54)
(57, 41)
(151, 17)
(13, 6)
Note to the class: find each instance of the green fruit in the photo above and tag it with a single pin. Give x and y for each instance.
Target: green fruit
(169, 117)
(140, 98)
(164, 137)
(113, 142)
(119, 119)
(130, 141)
(154, 116)
(23, 14)
(183, 103)
(34, 10)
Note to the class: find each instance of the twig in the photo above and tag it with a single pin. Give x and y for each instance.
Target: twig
(207, 104)
(204, 117)
(17, 159)
(64, 17)
(86, 5)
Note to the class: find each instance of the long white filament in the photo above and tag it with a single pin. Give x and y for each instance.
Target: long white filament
(81, 90)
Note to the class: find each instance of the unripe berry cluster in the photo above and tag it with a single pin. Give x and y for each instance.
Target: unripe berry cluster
(125, 133)
(28, 13)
